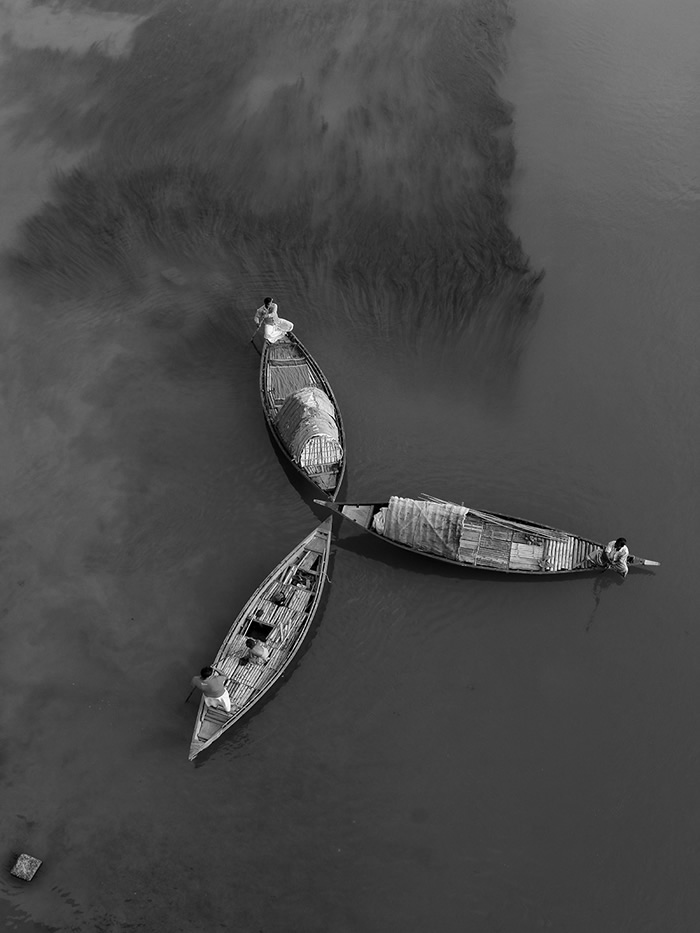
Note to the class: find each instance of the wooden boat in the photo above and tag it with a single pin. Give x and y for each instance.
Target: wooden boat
(278, 615)
(302, 413)
(466, 537)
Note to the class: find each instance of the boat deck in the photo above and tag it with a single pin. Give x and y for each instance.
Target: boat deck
(360, 514)
(288, 371)
(500, 548)
(500, 544)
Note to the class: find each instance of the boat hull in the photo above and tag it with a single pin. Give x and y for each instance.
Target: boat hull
(279, 615)
(286, 366)
(490, 541)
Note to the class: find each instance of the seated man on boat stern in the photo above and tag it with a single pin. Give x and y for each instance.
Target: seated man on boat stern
(614, 556)
(274, 326)
(213, 686)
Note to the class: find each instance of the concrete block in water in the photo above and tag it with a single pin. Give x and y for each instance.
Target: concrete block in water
(25, 867)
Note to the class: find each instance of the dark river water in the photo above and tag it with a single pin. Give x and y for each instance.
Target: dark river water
(484, 220)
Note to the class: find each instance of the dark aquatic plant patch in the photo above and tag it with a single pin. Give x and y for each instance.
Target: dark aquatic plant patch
(358, 153)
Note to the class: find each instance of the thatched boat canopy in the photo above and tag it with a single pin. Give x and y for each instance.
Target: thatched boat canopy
(306, 418)
(435, 527)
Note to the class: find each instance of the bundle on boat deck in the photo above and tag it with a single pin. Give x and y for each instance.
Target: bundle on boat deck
(435, 527)
(306, 423)
(458, 533)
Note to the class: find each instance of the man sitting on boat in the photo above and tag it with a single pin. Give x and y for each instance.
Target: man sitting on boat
(274, 327)
(213, 686)
(614, 556)
(258, 653)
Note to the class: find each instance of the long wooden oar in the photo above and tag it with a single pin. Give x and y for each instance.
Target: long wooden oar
(257, 329)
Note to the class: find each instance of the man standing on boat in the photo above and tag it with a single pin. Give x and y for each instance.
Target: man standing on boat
(213, 686)
(274, 327)
(614, 556)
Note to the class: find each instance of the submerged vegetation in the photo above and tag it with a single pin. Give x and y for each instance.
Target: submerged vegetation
(359, 152)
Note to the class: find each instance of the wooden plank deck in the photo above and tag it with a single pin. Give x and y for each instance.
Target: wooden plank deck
(287, 378)
(493, 557)
(559, 554)
(284, 350)
(362, 514)
(497, 546)
(482, 544)
(524, 556)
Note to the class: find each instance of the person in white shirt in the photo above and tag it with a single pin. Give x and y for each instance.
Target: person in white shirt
(613, 556)
(274, 327)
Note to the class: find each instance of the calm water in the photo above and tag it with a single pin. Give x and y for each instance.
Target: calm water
(459, 752)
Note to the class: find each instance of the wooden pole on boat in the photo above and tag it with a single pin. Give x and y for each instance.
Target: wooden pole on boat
(257, 331)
